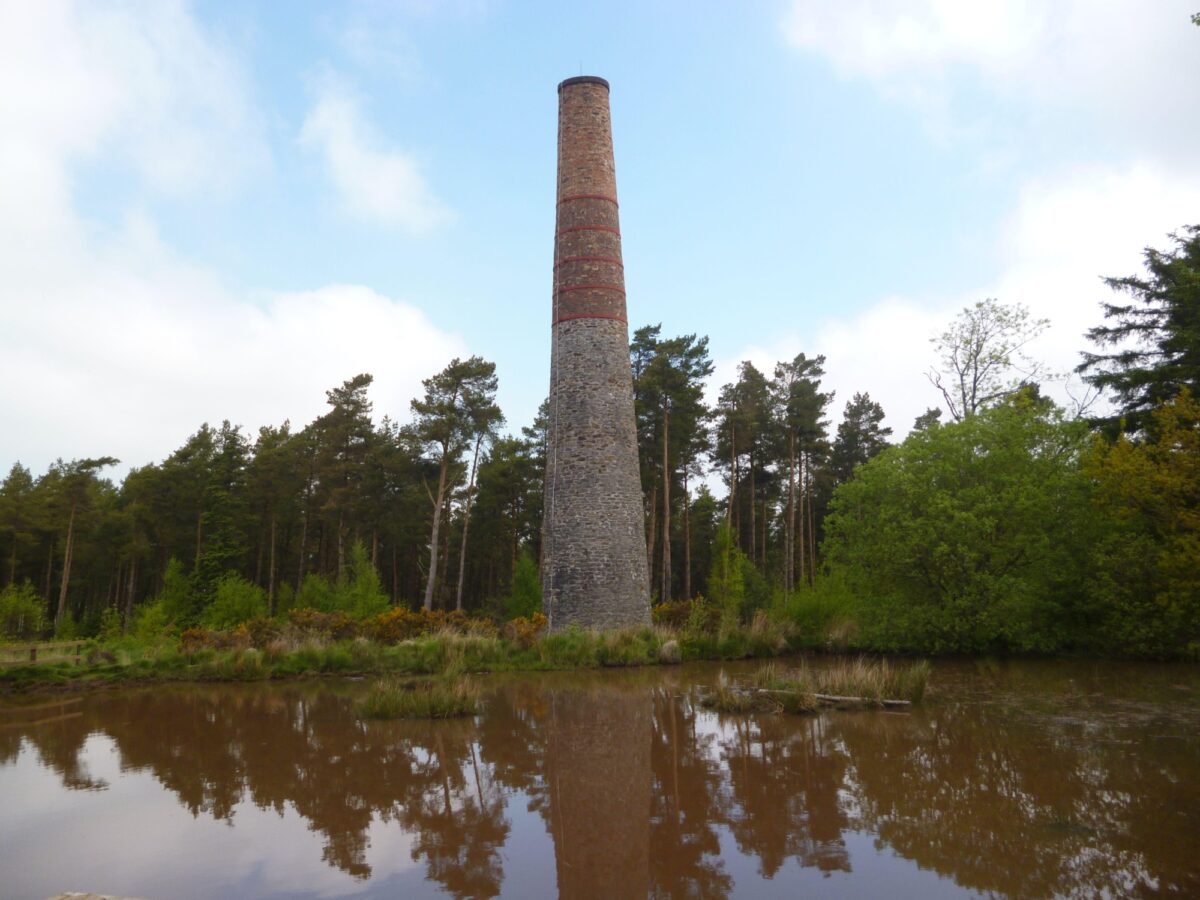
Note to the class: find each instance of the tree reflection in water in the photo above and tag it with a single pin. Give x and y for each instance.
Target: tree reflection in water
(639, 789)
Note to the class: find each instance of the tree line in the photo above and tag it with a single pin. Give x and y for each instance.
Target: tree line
(444, 510)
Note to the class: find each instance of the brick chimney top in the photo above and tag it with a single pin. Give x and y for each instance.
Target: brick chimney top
(583, 79)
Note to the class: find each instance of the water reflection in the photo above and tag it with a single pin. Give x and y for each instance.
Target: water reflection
(1041, 789)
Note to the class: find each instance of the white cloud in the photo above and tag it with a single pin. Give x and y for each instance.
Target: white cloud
(375, 183)
(1061, 238)
(110, 343)
(143, 82)
(1131, 70)
(1113, 82)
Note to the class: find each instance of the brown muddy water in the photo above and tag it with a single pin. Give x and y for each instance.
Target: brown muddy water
(1014, 779)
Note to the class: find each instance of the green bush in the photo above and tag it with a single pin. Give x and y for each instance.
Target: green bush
(316, 593)
(22, 612)
(727, 579)
(361, 593)
(971, 537)
(236, 601)
(110, 624)
(150, 621)
(525, 598)
(179, 602)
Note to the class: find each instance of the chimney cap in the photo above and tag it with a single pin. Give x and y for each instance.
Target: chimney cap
(583, 79)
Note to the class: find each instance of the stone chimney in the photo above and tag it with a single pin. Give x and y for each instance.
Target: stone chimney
(594, 569)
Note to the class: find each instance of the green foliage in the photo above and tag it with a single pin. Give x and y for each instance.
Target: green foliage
(861, 436)
(177, 599)
(969, 537)
(1154, 342)
(68, 629)
(110, 624)
(1145, 579)
(361, 593)
(22, 612)
(316, 592)
(726, 580)
(236, 601)
(824, 614)
(525, 598)
(285, 599)
(151, 621)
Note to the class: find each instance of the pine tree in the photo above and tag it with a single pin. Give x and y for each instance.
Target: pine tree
(1154, 341)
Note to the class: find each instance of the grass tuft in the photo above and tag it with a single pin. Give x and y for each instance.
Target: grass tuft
(391, 698)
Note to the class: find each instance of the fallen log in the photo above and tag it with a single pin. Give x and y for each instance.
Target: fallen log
(827, 699)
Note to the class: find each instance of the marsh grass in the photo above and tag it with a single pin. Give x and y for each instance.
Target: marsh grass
(872, 680)
(857, 682)
(394, 698)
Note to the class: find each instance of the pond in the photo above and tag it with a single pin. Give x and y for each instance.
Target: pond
(1023, 779)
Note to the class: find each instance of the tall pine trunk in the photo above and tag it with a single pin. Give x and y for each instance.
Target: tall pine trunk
(800, 529)
(462, 551)
(437, 526)
(341, 547)
(666, 509)
(66, 572)
(130, 590)
(753, 503)
(812, 541)
(789, 577)
(652, 533)
(49, 570)
(271, 569)
(732, 476)
(304, 531)
(687, 537)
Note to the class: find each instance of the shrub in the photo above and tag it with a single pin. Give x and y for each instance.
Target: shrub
(969, 537)
(285, 599)
(316, 593)
(22, 612)
(672, 613)
(335, 625)
(110, 624)
(361, 593)
(262, 632)
(236, 601)
(525, 599)
(727, 580)
(177, 598)
(150, 621)
(524, 631)
(395, 625)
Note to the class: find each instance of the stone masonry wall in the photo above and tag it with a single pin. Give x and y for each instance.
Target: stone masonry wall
(594, 571)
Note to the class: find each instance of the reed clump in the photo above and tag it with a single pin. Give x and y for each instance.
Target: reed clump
(846, 684)
(871, 681)
(391, 698)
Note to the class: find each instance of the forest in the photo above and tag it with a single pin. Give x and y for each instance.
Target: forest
(1002, 523)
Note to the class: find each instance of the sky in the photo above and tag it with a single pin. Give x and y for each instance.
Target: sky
(221, 210)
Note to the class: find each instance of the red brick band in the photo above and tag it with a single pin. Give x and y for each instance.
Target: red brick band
(563, 289)
(588, 316)
(612, 200)
(615, 260)
(609, 228)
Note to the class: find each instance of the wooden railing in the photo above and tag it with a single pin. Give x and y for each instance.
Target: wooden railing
(29, 654)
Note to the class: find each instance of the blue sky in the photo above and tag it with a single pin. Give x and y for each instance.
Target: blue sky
(220, 210)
